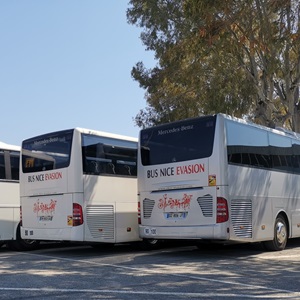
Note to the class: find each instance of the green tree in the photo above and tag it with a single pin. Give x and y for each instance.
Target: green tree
(236, 57)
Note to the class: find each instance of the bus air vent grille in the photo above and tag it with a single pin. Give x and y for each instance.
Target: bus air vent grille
(148, 205)
(241, 215)
(206, 205)
(101, 221)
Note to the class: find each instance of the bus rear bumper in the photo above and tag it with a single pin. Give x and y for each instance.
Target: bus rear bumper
(66, 234)
(218, 231)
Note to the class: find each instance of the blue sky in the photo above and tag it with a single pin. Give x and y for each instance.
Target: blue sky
(67, 63)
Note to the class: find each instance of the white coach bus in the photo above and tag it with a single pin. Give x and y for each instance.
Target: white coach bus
(10, 199)
(79, 185)
(219, 178)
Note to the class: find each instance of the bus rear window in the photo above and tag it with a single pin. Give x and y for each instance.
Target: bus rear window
(180, 141)
(47, 152)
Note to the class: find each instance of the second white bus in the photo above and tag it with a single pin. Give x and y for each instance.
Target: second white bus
(219, 178)
(10, 199)
(79, 185)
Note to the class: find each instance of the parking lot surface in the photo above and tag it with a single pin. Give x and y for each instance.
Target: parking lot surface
(176, 271)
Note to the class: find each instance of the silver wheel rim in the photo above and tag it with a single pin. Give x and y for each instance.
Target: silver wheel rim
(281, 232)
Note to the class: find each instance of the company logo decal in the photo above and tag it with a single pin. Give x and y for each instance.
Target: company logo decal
(174, 203)
(44, 211)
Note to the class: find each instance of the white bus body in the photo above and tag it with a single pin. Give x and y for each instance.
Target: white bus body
(79, 185)
(10, 199)
(219, 178)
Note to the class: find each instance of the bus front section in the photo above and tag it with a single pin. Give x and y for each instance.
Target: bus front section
(181, 181)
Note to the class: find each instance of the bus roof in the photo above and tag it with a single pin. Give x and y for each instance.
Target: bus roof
(106, 134)
(90, 131)
(9, 147)
(278, 130)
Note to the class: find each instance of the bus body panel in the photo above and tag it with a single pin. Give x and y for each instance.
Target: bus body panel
(44, 183)
(9, 191)
(111, 209)
(180, 207)
(186, 213)
(51, 217)
(269, 194)
(9, 210)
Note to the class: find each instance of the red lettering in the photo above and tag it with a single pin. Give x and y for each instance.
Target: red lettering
(53, 176)
(190, 169)
(172, 203)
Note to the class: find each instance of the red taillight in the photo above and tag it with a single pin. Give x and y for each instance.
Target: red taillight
(139, 213)
(77, 214)
(222, 210)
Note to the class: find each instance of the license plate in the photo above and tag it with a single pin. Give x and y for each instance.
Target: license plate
(150, 231)
(176, 215)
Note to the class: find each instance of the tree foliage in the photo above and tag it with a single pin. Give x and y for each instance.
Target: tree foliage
(230, 56)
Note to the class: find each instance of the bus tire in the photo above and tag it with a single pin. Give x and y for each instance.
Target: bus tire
(280, 235)
(151, 244)
(22, 245)
(102, 246)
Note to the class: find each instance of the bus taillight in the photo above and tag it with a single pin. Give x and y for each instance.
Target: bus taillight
(77, 214)
(222, 210)
(139, 213)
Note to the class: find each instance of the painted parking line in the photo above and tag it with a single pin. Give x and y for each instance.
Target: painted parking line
(176, 294)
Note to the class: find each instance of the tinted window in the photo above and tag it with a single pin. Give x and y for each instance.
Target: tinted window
(108, 156)
(14, 164)
(281, 152)
(254, 147)
(179, 141)
(296, 156)
(47, 152)
(9, 164)
(2, 165)
(247, 145)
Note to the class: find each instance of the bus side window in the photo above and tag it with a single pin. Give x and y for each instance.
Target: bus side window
(2, 165)
(111, 168)
(14, 164)
(127, 168)
(296, 158)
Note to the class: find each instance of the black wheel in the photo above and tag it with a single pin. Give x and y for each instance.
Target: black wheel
(22, 245)
(151, 244)
(280, 236)
(103, 246)
(209, 246)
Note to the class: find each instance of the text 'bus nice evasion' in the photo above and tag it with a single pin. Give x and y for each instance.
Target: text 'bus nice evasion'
(79, 185)
(219, 178)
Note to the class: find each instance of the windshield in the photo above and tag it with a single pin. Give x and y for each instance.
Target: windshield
(47, 152)
(179, 141)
